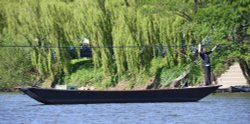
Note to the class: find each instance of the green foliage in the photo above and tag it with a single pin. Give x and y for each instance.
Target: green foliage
(156, 64)
(140, 23)
(83, 73)
(14, 68)
(167, 75)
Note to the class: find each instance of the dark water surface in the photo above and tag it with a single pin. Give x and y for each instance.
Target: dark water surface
(214, 109)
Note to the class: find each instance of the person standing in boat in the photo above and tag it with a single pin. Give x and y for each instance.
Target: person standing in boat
(206, 61)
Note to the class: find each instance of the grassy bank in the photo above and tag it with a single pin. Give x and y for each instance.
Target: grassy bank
(84, 74)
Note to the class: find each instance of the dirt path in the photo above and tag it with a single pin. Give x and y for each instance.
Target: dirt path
(233, 76)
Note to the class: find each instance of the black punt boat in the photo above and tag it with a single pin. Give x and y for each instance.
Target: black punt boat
(56, 96)
(239, 89)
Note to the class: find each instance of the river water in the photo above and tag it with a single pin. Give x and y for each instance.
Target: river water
(214, 109)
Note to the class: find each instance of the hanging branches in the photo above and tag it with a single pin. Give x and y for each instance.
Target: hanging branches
(123, 38)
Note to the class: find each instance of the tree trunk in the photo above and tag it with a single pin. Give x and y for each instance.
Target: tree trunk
(195, 6)
(156, 83)
(245, 67)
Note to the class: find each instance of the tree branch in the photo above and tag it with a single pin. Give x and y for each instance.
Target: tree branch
(184, 15)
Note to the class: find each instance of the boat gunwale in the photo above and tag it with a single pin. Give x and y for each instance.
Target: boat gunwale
(138, 90)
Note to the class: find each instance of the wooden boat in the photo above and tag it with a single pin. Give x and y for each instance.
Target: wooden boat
(56, 96)
(239, 89)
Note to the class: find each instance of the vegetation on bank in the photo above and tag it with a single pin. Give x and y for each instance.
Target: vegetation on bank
(176, 25)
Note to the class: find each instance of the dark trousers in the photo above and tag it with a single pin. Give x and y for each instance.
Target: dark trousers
(208, 75)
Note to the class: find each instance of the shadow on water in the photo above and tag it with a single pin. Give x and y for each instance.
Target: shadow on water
(37, 105)
(58, 104)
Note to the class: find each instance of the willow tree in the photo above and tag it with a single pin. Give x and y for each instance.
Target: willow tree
(126, 35)
(125, 23)
(15, 67)
(47, 26)
(228, 23)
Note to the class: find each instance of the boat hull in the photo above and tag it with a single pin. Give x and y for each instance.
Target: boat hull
(239, 89)
(55, 96)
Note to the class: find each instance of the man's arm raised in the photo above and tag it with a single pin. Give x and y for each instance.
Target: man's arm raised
(215, 47)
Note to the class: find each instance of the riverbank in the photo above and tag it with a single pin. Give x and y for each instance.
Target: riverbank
(6, 90)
